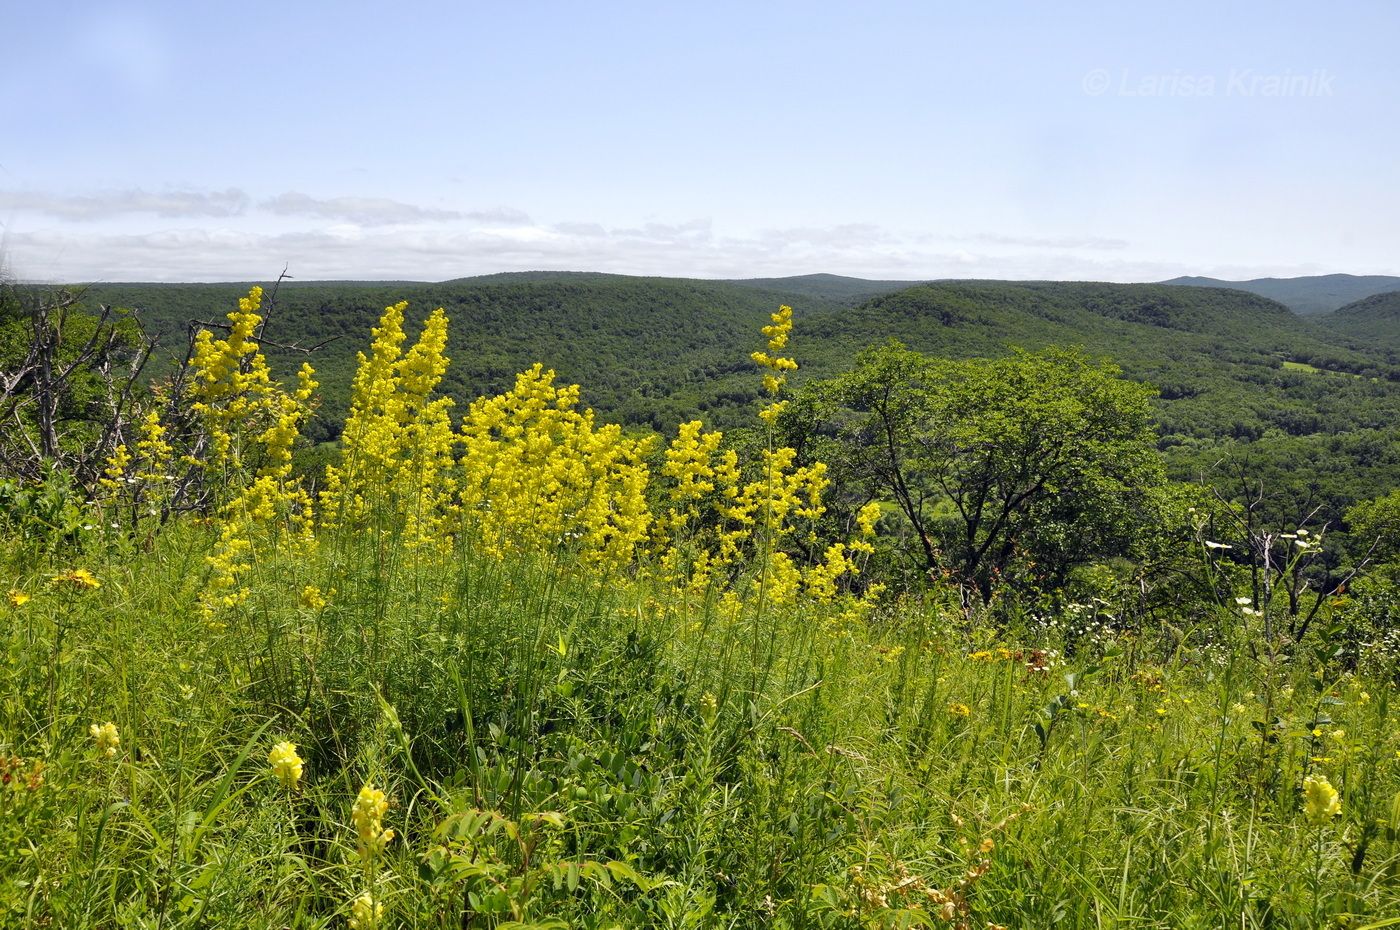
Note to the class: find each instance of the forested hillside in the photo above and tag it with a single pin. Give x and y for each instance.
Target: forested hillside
(1309, 295)
(1240, 377)
(1373, 322)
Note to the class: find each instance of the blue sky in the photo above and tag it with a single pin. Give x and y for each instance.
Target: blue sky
(1110, 141)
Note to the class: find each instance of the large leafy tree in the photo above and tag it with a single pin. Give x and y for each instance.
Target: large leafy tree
(1018, 468)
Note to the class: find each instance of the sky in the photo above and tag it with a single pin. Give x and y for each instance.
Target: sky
(193, 141)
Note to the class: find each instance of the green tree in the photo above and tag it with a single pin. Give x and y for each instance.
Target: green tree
(1017, 469)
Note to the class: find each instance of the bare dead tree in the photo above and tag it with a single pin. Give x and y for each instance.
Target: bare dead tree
(36, 435)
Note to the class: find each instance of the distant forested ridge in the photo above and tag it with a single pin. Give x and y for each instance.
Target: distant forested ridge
(1239, 377)
(1373, 323)
(1309, 295)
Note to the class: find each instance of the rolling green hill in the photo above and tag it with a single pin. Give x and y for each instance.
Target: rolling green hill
(1217, 356)
(1240, 377)
(1372, 322)
(828, 286)
(650, 351)
(1309, 295)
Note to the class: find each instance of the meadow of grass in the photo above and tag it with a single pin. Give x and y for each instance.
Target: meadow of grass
(397, 718)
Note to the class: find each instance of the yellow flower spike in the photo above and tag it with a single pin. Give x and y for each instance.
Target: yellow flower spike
(367, 817)
(365, 912)
(1320, 800)
(106, 738)
(286, 764)
(250, 419)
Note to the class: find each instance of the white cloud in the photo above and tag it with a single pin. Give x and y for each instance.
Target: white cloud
(433, 253)
(106, 204)
(366, 211)
(1094, 243)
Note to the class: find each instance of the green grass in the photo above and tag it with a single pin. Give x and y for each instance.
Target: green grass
(551, 752)
(1313, 370)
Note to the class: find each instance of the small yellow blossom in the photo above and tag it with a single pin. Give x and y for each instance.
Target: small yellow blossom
(79, 578)
(312, 598)
(106, 738)
(959, 709)
(286, 764)
(18, 598)
(1320, 800)
(365, 912)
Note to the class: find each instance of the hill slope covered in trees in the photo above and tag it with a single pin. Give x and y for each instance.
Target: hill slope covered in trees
(1373, 322)
(652, 351)
(1309, 295)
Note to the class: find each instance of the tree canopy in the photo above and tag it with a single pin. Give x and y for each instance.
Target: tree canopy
(1011, 469)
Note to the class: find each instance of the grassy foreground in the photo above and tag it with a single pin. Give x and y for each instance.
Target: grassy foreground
(559, 750)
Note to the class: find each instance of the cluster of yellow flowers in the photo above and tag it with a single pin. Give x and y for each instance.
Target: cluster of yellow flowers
(145, 478)
(286, 764)
(713, 520)
(1320, 800)
(367, 817)
(527, 471)
(249, 416)
(398, 444)
(539, 475)
(365, 912)
(774, 379)
(106, 739)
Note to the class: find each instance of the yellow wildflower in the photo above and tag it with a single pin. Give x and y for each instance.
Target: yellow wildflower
(367, 816)
(398, 444)
(18, 598)
(312, 598)
(365, 912)
(79, 578)
(106, 738)
(286, 764)
(777, 335)
(959, 709)
(709, 708)
(538, 474)
(1320, 800)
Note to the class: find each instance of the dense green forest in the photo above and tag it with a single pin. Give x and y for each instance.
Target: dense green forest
(1310, 295)
(1374, 322)
(1243, 384)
